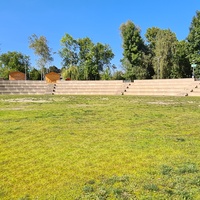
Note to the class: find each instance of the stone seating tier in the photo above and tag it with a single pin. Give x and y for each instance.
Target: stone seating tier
(159, 87)
(25, 87)
(90, 87)
(162, 87)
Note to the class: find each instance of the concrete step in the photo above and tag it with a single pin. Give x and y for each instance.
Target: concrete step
(164, 87)
(166, 81)
(133, 88)
(22, 81)
(24, 93)
(92, 82)
(194, 94)
(156, 93)
(154, 90)
(87, 89)
(22, 88)
(87, 93)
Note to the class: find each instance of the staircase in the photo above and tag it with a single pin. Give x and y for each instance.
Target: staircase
(162, 87)
(90, 87)
(25, 87)
(196, 90)
(156, 87)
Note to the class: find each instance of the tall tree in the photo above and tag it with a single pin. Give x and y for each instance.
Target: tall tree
(95, 58)
(151, 36)
(89, 58)
(132, 43)
(87, 70)
(168, 55)
(41, 49)
(13, 61)
(69, 51)
(163, 53)
(193, 40)
(181, 65)
(135, 54)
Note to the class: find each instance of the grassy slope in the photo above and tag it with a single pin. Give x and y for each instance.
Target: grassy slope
(84, 147)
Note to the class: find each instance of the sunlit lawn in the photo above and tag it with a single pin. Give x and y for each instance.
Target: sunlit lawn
(99, 147)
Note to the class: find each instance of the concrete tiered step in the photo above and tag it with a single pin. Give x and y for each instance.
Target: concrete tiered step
(161, 87)
(196, 90)
(90, 87)
(25, 87)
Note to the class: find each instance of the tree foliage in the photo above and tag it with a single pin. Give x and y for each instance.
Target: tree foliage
(13, 61)
(69, 51)
(133, 44)
(41, 49)
(162, 56)
(165, 45)
(54, 69)
(35, 74)
(71, 73)
(194, 39)
(181, 64)
(151, 36)
(90, 59)
(136, 54)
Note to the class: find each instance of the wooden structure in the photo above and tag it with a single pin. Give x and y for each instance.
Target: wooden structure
(52, 77)
(17, 76)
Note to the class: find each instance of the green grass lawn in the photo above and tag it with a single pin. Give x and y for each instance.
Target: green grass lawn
(99, 147)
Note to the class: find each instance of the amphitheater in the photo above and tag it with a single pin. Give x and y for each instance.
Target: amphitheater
(157, 87)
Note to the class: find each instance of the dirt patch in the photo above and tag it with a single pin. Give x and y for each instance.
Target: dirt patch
(28, 100)
(162, 102)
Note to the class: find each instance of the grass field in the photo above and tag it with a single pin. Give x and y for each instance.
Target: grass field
(99, 147)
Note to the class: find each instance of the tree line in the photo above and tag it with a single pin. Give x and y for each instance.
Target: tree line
(159, 55)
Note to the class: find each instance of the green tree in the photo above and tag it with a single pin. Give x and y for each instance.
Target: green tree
(135, 59)
(87, 68)
(151, 36)
(133, 44)
(118, 75)
(69, 51)
(181, 65)
(89, 58)
(96, 60)
(34, 74)
(106, 75)
(72, 73)
(13, 61)
(168, 55)
(164, 51)
(54, 69)
(42, 50)
(193, 40)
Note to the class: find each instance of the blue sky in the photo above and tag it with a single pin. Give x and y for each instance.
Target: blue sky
(97, 19)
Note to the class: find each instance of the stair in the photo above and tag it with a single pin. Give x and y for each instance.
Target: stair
(25, 87)
(90, 87)
(161, 87)
(155, 87)
(196, 90)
